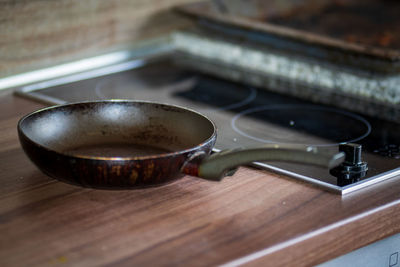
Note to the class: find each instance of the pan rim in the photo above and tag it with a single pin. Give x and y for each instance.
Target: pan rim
(117, 159)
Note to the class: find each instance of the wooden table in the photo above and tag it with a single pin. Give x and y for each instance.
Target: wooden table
(254, 218)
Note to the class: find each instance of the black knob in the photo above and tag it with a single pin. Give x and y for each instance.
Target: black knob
(352, 153)
(353, 168)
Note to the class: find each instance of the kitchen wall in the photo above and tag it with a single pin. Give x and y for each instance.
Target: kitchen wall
(40, 33)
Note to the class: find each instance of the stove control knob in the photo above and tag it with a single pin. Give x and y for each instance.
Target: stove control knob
(353, 168)
(352, 153)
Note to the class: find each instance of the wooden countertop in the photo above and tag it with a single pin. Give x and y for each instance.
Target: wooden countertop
(253, 218)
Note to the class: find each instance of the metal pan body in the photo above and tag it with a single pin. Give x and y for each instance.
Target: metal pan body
(116, 143)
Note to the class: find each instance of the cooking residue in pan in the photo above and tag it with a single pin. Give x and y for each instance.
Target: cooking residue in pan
(116, 150)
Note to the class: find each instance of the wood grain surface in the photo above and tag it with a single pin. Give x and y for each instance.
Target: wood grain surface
(37, 34)
(254, 218)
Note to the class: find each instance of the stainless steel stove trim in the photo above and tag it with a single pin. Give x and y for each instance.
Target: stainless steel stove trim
(335, 189)
(371, 181)
(133, 64)
(31, 90)
(158, 46)
(331, 188)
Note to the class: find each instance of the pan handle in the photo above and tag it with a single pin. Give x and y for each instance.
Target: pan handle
(221, 164)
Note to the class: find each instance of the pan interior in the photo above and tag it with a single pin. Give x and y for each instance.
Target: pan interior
(117, 129)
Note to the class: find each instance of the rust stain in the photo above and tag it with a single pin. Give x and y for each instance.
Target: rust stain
(116, 170)
(100, 169)
(105, 173)
(148, 172)
(386, 39)
(133, 177)
(191, 168)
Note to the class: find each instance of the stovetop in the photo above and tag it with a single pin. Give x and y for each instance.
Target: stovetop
(245, 116)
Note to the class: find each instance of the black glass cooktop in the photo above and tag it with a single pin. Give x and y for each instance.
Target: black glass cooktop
(245, 116)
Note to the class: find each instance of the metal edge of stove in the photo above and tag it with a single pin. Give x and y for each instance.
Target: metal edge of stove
(87, 68)
(30, 91)
(333, 188)
(371, 181)
(341, 190)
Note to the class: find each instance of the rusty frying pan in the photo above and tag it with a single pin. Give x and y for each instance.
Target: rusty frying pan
(127, 144)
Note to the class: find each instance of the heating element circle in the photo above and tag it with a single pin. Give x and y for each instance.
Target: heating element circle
(300, 124)
(207, 94)
(215, 95)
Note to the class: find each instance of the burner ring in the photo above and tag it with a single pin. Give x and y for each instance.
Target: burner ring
(211, 102)
(252, 95)
(281, 109)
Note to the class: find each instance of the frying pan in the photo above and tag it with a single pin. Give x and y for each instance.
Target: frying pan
(128, 144)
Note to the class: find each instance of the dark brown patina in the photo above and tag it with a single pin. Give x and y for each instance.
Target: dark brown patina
(114, 144)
